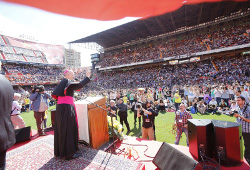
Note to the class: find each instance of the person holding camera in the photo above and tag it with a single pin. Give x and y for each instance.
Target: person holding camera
(135, 107)
(212, 106)
(147, 120)
(16, 119)
(39, 106)
(123, 114)
(242, 115)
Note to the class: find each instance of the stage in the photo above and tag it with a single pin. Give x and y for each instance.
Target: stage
(38, 153)
(143, 147)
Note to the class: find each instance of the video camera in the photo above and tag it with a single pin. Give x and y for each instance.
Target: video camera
(234, 112)
(41, 88)
(141, 105)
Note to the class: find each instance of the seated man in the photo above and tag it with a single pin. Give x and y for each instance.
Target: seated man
(212, 106)
(183, 100)
(223, 107)
(201, 107)
(233, 106)
(161, 105)
(206, 101)
(169, 106)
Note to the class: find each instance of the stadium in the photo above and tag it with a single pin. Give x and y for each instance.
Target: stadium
(192, 56)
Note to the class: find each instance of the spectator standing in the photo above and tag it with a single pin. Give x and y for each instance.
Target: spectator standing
(245, 94)
(217, 94)
(243, 116)
(177, 100)
(123, 114)
(39, 106)
(225, 95)
(134, 109)
(16, 119)
(181, 118)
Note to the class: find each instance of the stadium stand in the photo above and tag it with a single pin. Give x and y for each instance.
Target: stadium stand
(2, 41)
(228, 34)
(12, 53)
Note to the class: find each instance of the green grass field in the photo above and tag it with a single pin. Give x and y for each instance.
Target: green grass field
(163, 122)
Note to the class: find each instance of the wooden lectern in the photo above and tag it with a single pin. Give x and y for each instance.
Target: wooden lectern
(92, 121)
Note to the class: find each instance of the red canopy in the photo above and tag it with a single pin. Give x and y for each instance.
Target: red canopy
(109, 9)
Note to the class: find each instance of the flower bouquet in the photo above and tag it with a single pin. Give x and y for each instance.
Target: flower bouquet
(117, 128)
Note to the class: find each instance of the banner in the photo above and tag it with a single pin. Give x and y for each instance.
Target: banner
(53, 53)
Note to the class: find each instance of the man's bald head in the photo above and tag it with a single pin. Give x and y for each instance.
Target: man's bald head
(69, 74)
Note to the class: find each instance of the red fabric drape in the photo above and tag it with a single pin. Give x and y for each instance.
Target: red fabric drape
(109, 9)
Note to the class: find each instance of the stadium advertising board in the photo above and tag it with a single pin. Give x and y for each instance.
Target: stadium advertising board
(194, 59)
(173, 62)
(53, 53)
(183, 61)
(247, 52)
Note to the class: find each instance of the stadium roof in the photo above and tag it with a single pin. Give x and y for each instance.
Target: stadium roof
(186, 16)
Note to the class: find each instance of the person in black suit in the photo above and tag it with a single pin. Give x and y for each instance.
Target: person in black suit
(7, 134)
(65, 124)
(123, 114)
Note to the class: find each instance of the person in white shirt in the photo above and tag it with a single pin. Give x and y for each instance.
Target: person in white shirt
(212, 106)
(233, 106)
(245, 94)
(201, 107)
(217, 94)
(16, 119)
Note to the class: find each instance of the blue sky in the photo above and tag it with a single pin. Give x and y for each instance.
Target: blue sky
(49, 27)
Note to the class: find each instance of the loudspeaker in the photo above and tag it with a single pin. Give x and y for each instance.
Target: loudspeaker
(229, 146)
(22, 134)
(201, 137)
(53, 112)
(170, 158)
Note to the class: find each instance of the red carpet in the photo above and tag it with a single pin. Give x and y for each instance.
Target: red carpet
(34, 136)
(39, 154)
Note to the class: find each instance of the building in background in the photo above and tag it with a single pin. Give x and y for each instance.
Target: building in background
(72, 58)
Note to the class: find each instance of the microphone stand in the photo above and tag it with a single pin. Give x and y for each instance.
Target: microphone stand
(110, 113)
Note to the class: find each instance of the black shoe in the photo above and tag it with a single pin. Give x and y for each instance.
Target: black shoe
(43, 134)
(128, 132)
(76, 155)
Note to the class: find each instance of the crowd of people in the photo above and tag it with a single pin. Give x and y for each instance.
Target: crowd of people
(226, 70)
(26, 74)
(228, 34)
(216, 85)
(211, 86)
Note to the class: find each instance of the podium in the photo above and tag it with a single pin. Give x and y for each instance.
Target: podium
(92, 121)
